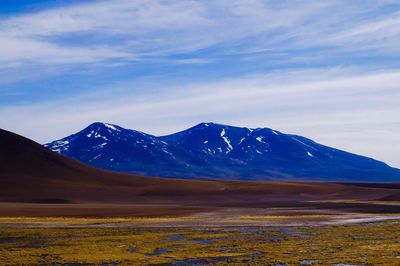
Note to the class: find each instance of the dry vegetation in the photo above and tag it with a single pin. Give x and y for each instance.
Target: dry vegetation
(359, 244)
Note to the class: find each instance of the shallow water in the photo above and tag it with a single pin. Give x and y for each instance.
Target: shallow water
(132, 249)
(307, 262)
(368, 220)
(176, 237)
(157, 252)
(6, 240)
(203, 241)
(201, 261)
(36, 245)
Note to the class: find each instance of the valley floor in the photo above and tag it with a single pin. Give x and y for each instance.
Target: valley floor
(376, 243)
(195, 235)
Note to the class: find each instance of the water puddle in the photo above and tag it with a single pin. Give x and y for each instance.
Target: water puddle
(201, 261)
(248, 230)
(179, 237)
(264, 233)
(225, 249)
(176, 237)
(276, 239)
(133, 249)
(291, 232)
(307, 262)
(157, 252)
(36, 245)
(372, 219)
(256, 254)
(6, 240)
(203, 241)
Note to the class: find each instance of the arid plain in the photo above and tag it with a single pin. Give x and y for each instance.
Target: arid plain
(56, 211)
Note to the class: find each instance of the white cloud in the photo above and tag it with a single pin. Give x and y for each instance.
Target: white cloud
(40, 37)
(338, 107)
(345, 107)
(135, 30)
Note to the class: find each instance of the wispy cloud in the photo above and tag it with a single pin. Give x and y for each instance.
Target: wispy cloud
(99, 31)
(136, 30)
(340, 107)
(324, 69)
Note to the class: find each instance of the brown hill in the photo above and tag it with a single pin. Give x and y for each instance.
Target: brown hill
(31, 173)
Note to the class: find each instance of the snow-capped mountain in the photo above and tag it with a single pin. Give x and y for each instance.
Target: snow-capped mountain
(211, 150)
(208, 139)
(114, 148)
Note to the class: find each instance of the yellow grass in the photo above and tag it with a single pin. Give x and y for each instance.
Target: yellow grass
(361, 244)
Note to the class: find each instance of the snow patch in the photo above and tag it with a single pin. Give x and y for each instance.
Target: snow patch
(97, 156)
(101, 145)
(170, 154)
(58, 146)
(90, 134)
(96, 135)
(304, 144)
(260, 139)
(59, 143)
(110, 126)
(226, 140)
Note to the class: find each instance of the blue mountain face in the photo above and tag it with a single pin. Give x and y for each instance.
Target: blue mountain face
(210, 150)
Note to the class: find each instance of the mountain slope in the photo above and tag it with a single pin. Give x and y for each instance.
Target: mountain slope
(115, 148)
(31, 173)
(216, 151)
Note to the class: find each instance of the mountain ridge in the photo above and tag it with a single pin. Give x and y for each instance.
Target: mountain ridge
(35, 181)
(217, 151)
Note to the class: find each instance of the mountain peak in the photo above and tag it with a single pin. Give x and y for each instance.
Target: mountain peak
(104, 125)
(217, 125)
(216, 150)
(207, 124)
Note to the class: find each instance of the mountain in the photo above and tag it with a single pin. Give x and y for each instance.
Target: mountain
(31, 173)
(114, 148)
(216, 151)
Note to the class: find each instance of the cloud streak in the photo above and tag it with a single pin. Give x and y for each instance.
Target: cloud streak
(339, 107)
(138, 30)
(324, 69)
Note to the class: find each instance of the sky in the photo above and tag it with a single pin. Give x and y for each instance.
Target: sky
(326, 70)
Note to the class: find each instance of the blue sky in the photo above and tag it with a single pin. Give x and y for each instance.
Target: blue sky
(328, 70)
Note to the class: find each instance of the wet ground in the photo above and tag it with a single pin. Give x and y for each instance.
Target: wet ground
(224, 236)
(222, 217)
(370, 243)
